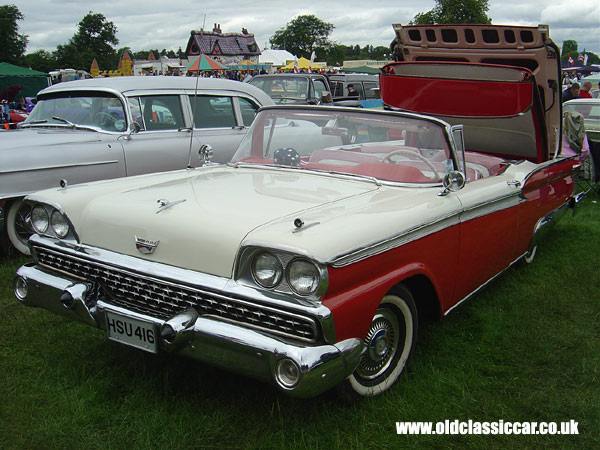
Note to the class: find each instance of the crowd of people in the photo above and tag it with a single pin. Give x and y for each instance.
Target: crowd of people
(577, 88)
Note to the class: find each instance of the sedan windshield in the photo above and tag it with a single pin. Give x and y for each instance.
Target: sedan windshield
(284, 90)
(393, 147)
(88, 109)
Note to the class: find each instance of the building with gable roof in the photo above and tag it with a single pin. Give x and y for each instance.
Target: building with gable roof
(226, 48)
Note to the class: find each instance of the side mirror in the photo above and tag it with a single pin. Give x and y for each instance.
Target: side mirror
(325, 97)
(453, 181)
(134, 128)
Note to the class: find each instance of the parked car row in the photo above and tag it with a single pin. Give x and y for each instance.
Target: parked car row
(318, 89)
(308, 260)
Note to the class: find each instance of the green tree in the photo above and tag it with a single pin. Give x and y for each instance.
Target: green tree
(95, 38)
(303, 35)
(41, 60)
(455, 11)
(12, 44)
(569, 46)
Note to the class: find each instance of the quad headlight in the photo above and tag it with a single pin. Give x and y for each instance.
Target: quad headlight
(284, 272)
(49, 221)
(60, 225)
(267, 269)
(303, 276)
(40, 219)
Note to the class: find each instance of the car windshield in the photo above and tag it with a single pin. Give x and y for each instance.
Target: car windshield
(88, 109)
(284, 90)
(587, 110)
(392, 147)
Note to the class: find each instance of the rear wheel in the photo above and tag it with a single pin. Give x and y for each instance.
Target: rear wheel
(390, 341)
(17, 225)
(530, 255)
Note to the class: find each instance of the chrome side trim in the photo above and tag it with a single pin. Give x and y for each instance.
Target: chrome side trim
(491, 206)
(482, 286)
(37, 169)
(427, 228)
(412, 234)
(545, 224)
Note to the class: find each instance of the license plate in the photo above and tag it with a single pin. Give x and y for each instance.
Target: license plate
(134, 332)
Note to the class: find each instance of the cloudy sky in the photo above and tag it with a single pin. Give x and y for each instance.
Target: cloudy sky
(166, 24)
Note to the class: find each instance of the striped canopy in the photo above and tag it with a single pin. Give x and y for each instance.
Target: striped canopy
(204, 63)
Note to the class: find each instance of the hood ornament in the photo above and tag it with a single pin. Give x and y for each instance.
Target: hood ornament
(145, 246)
(166, 204)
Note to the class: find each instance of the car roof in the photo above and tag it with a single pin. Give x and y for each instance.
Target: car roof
(140, 83)
(583, 100)
(288, 74)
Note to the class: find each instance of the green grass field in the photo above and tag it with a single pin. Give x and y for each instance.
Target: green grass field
(525, 348)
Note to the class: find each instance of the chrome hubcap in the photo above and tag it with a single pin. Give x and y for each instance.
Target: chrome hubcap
(382, 345)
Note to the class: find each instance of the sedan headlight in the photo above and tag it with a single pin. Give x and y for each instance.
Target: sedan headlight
(303, 276)
(60, 225)
(267, 270)
(40, 219)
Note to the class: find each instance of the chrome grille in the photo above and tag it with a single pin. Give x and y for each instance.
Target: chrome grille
(163, 299)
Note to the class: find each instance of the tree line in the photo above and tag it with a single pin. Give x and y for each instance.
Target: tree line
(305, 35)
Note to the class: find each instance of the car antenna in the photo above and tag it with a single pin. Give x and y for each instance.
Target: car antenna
(189, 166)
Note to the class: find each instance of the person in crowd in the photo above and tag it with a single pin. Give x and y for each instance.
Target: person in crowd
(586, 87)
(571, 92)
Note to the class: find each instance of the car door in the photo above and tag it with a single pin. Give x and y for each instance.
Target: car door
(488, 230)
(163, 142)
(220, 121)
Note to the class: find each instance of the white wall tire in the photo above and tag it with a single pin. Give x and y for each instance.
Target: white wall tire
(16, 226)
(391, 339)
(530, 255)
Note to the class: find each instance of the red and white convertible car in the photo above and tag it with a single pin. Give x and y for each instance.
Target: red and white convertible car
(308, 260)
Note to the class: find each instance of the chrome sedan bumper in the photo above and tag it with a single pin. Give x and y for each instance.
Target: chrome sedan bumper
(299, 370)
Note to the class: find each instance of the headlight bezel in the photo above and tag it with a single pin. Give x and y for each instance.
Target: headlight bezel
(50, 211)
(245, 271)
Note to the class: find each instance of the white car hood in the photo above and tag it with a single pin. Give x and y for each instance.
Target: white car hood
(213, 211)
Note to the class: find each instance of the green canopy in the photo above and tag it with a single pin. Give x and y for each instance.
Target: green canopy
(31, 81)
(362, 69)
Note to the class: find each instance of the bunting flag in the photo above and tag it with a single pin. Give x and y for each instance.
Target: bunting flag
(313, 55)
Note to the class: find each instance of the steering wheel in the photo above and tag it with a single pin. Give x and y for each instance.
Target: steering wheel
(105, 119)
(388, 158)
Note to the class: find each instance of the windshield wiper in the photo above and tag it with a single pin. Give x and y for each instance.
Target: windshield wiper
(30, 123)
(60, 119)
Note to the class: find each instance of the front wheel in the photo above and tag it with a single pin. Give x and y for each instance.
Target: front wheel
(17, 226)
(390, 341)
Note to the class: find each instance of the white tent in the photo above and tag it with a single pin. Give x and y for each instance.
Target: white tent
(277, 58)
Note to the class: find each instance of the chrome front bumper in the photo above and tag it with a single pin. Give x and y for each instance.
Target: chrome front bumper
(206, 339)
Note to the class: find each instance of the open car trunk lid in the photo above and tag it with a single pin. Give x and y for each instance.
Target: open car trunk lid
(500, 82)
